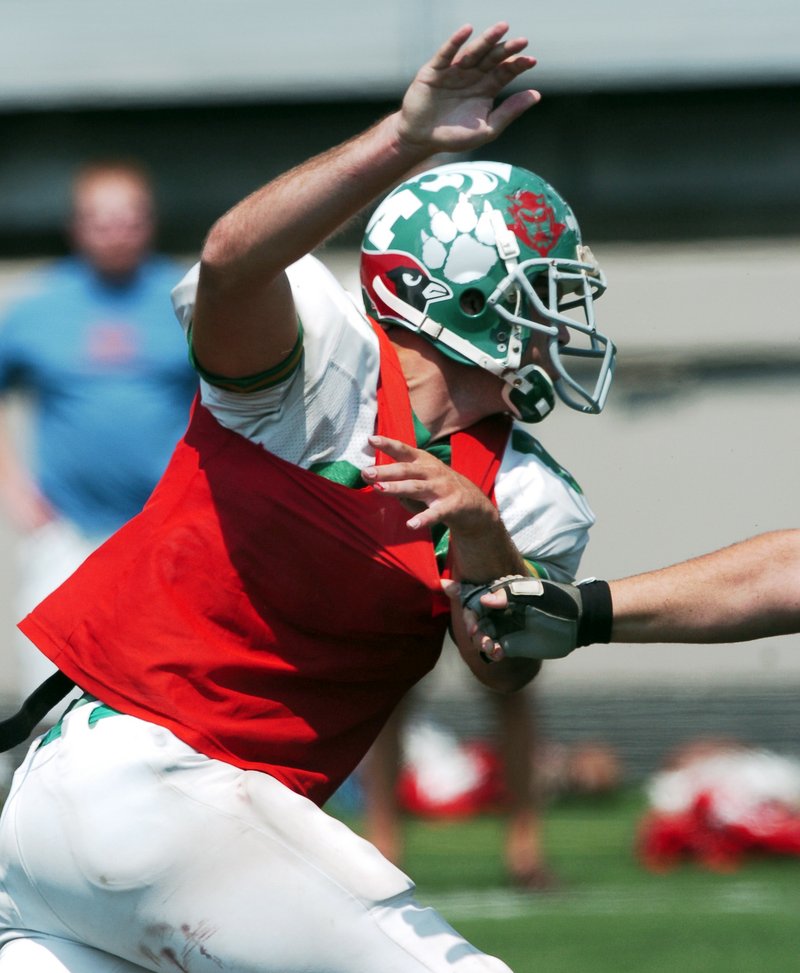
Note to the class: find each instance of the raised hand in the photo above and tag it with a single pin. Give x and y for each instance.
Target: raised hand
(450, 104)
(243, 296)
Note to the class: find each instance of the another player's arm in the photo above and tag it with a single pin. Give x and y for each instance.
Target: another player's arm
(745, 591)
(244, 319)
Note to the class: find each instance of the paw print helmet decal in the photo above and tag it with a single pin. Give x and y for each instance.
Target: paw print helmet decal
(480, 256)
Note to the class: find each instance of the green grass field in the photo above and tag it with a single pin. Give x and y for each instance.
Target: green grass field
(611, 915)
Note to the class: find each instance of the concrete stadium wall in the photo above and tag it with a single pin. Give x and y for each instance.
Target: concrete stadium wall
(86, 52)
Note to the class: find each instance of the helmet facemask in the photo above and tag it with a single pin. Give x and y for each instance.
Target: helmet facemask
(556, 298)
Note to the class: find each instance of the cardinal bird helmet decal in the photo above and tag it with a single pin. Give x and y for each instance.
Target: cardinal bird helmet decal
(477, 256)
(403, 286)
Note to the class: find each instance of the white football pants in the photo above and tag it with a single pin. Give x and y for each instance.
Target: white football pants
(122, 850)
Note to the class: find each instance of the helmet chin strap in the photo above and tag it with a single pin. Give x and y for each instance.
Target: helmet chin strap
(529, 391)
(530, 395)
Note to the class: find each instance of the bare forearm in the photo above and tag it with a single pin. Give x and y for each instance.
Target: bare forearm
(294, 213)
(449, 106)
(485, 551)
(244, 319)
(749, 590)
(243, 293)
(746, 591)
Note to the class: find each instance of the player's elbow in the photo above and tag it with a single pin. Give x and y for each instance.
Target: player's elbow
(219, 256)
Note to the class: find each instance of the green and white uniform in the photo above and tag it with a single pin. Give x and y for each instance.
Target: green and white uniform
(320, 410)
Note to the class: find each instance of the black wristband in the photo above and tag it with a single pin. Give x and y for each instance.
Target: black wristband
(597, 615)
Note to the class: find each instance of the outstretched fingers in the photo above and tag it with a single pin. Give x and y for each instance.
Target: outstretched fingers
(505, 51)
(446, 54)
(402, 477)
(510, 68)
(485, 47)
(450, 104)
(511, 108)
(394, 448)
(421, 482)
(485, 53)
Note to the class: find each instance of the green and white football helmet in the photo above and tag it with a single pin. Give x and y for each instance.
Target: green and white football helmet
(477, 256)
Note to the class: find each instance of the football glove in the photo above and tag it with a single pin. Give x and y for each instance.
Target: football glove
(543, 619)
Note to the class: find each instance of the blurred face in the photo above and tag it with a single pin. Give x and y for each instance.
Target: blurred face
(112, 224)
(538, 351)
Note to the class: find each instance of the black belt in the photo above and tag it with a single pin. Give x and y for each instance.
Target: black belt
(17, 728)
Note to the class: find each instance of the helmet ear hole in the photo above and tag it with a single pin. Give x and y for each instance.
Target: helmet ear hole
(472, 301)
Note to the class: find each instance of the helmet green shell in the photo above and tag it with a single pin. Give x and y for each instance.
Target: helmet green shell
(479, 256)
(432, 243)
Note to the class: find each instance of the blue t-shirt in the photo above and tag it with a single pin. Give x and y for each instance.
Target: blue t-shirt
(111, 385)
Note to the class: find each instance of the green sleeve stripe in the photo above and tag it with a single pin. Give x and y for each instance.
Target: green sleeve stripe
(253, 383)
(536, 569)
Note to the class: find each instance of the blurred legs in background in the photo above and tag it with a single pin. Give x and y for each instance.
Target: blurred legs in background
(516, 742)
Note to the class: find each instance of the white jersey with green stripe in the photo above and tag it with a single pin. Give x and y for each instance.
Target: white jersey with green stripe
(319, 414)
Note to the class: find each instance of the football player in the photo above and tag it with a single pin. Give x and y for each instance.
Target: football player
(485, 261)
(242, 640)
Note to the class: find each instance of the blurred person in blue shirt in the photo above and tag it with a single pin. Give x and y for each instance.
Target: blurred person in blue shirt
(104, 371)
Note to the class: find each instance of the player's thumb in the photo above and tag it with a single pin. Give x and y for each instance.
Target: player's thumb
(451, 588)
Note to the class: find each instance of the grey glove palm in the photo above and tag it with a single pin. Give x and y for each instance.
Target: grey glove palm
(541, 621)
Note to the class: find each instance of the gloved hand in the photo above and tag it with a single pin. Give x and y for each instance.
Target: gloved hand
(542, 619)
